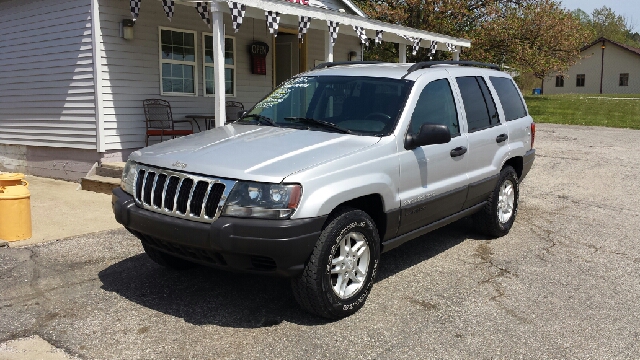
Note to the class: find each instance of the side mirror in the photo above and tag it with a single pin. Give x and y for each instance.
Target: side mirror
(429, 134)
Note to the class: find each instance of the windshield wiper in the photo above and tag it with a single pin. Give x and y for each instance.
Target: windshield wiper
(261, 118)
(319, 122)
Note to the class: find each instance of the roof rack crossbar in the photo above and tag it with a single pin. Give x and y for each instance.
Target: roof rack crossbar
(337, 63)
(428, 64)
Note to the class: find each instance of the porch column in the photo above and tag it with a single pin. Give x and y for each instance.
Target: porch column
(328, 48)
(217, 26)
(402, 53)
(456, 56)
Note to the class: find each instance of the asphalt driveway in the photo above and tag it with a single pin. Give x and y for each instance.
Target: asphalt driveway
(565, 283)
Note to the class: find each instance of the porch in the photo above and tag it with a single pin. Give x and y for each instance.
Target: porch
(198, 62)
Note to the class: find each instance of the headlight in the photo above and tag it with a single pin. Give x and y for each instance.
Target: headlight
(272, 201)
(128, 177)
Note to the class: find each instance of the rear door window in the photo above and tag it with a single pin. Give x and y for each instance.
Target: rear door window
(510, 99)
(478, 103)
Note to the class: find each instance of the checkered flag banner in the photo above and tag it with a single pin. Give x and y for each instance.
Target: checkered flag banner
(273, 19)
(451, 47)
(169, 8)
(333, 30)
(303, 25)
(363, 37)
(237, 13)
(432, 48)
(135, 8)
(379, 36)
(203, 10)
(416, 45)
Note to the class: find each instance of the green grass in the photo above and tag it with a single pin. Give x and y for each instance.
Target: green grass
(621, 111)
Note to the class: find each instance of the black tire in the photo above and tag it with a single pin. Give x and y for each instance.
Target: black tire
(167, 260)
(314, 288)
(488, 220)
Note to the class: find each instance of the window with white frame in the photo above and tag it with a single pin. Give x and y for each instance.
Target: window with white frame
(178, 71)
(229, 65)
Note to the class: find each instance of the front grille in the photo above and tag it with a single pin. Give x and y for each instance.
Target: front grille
(179, 194)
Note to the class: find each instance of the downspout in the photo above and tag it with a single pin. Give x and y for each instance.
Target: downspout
(602, 67)
(96, 37)
(217, 27)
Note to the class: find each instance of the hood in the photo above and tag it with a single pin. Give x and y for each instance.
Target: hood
(251, 152)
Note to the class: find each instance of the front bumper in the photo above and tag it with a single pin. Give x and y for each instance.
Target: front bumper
(278, 247)
(527, 162)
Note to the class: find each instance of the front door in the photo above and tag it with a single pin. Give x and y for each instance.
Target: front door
(434, 179)
(289, 56)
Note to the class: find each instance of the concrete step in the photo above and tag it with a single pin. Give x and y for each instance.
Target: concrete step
(111, 169)
(100, 184)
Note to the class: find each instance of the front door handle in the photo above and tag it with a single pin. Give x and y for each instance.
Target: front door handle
(502, 138)
(460, 150)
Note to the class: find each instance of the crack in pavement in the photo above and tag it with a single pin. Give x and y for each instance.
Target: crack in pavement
(485, 253)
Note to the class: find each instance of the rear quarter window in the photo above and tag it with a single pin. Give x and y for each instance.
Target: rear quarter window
(512, 103)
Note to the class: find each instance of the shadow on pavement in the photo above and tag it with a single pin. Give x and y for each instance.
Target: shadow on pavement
(203, 296)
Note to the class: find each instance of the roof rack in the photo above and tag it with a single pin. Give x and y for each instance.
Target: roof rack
(428, 64)
(337, 63)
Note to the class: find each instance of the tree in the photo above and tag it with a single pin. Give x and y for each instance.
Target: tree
(452, 17)
(606, 23)
(537, 37)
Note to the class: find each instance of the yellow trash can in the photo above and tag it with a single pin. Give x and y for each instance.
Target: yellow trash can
(15, 208)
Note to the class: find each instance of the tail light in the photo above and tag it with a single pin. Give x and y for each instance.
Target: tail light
(533, 133)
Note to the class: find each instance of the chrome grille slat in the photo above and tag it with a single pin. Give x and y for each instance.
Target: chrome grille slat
(193, 189)
(175, 198)
(164, 190)
(144, 185)
(206, 196)
(161, 182)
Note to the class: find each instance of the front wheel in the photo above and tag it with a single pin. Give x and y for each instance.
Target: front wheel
(341, 270)
(497, 217)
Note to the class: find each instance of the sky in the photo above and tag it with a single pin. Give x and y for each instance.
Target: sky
(627, 8)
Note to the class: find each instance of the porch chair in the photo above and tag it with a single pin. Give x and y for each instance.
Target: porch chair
(232, 109)
(159, 120)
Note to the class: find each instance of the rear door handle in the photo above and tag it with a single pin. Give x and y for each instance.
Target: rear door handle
(460, 150)
(501, 138)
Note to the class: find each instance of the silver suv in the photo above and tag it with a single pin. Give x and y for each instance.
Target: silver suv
(331, 169)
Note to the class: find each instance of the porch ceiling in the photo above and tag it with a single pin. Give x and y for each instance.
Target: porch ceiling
(289, 15)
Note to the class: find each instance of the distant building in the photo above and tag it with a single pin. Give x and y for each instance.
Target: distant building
(605, 67)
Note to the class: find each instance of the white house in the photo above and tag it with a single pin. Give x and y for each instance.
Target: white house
(73, 77)
(605, 67)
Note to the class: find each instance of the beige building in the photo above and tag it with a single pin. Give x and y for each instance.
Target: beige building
(605, 67)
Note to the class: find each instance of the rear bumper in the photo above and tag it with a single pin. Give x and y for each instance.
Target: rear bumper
(527, 162)
(278, 247)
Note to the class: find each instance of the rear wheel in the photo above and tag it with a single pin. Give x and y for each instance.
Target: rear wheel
(497, 217)
(167, 260)
(342, 268)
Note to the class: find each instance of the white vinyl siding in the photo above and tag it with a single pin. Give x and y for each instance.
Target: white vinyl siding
(47, 93)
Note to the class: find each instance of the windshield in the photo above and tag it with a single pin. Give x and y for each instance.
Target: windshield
(347, 104)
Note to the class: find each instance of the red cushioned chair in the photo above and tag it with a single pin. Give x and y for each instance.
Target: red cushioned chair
(160, 121)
